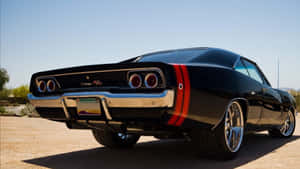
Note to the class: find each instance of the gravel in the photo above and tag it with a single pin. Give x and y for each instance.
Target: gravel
(39, 143)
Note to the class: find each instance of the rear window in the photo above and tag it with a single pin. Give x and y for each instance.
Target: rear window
(183, 56)
(208, 56)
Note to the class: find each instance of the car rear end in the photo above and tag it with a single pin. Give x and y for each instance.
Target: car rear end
(138, 94)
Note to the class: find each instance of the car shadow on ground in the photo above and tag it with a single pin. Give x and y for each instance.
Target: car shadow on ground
(161, 154)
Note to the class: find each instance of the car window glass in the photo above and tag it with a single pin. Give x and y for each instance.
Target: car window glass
(204, 55)
(177, 56)
(241, 68)
(254, 73)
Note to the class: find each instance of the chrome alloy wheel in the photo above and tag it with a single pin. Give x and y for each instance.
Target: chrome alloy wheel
(289, 124)
(234, 126)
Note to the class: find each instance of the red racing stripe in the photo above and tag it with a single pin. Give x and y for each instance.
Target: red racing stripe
(186, 100)
(179, 97)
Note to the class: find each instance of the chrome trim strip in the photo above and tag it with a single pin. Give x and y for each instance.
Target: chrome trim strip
(107, 114)
(116, 95)
(134, 129)
(81, 121)
(236, 62)
(99, 122)
(98, 71)
(65, 108)
(120, 100)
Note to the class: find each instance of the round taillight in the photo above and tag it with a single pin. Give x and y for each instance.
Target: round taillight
(151, 80)
(50, 86)
(135, 81)
(42, 86)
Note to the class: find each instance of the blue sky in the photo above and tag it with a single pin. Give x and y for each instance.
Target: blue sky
(38, 35)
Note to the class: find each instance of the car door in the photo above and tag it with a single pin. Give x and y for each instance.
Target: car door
(272, 109)
(252, 91)
(271, 106)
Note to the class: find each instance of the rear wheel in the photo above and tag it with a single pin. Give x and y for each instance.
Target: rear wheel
(227, 139)
(230, 134)
(113, 139)
(287, 128)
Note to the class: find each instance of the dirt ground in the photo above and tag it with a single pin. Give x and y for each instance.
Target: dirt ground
(39, 143)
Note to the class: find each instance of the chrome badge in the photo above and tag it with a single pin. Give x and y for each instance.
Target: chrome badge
(97, 83)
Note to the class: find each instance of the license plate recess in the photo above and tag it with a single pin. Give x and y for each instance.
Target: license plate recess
(88, 106)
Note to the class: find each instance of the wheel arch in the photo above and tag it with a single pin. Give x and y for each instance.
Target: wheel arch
(294, 110)
(244, 105)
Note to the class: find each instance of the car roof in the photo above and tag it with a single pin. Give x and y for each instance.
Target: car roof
(228, 58)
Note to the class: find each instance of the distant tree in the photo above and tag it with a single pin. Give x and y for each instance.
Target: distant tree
(298, 102)
(293, 92)
(4, 78)
(4, 93)
(21, 91)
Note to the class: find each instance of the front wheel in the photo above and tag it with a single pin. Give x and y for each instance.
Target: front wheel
(113, 139)
(287, 128)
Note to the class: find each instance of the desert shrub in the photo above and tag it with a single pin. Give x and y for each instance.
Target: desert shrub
(21, 92)
(2, 110)
(29, 110)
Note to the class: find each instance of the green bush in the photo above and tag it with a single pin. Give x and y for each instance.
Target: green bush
(14, 96)
(29, 110)
(21, 92)
(2, 110)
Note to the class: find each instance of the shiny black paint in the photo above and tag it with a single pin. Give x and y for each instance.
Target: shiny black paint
(213, 87)
(116, 81)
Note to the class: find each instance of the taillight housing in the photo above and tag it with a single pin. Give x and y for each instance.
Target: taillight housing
(47, 85)
(146, 78)
(135, 81)
(51, 86)
(42, 86)
(151, 80)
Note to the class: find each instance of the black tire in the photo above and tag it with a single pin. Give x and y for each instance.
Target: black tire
(214, 143)
(280, 133)
(111, 139)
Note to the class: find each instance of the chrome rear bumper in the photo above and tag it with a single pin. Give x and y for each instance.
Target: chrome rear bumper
(112, 100)
(108, 100)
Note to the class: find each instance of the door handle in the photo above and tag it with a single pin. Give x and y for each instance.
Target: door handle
(264, 90)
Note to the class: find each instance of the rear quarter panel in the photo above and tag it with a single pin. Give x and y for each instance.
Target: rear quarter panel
(212, 89)
(288, 101)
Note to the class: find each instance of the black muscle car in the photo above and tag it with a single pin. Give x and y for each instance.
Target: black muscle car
(208, 95)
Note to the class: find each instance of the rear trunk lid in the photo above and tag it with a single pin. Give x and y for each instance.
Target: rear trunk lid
(101, 77)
